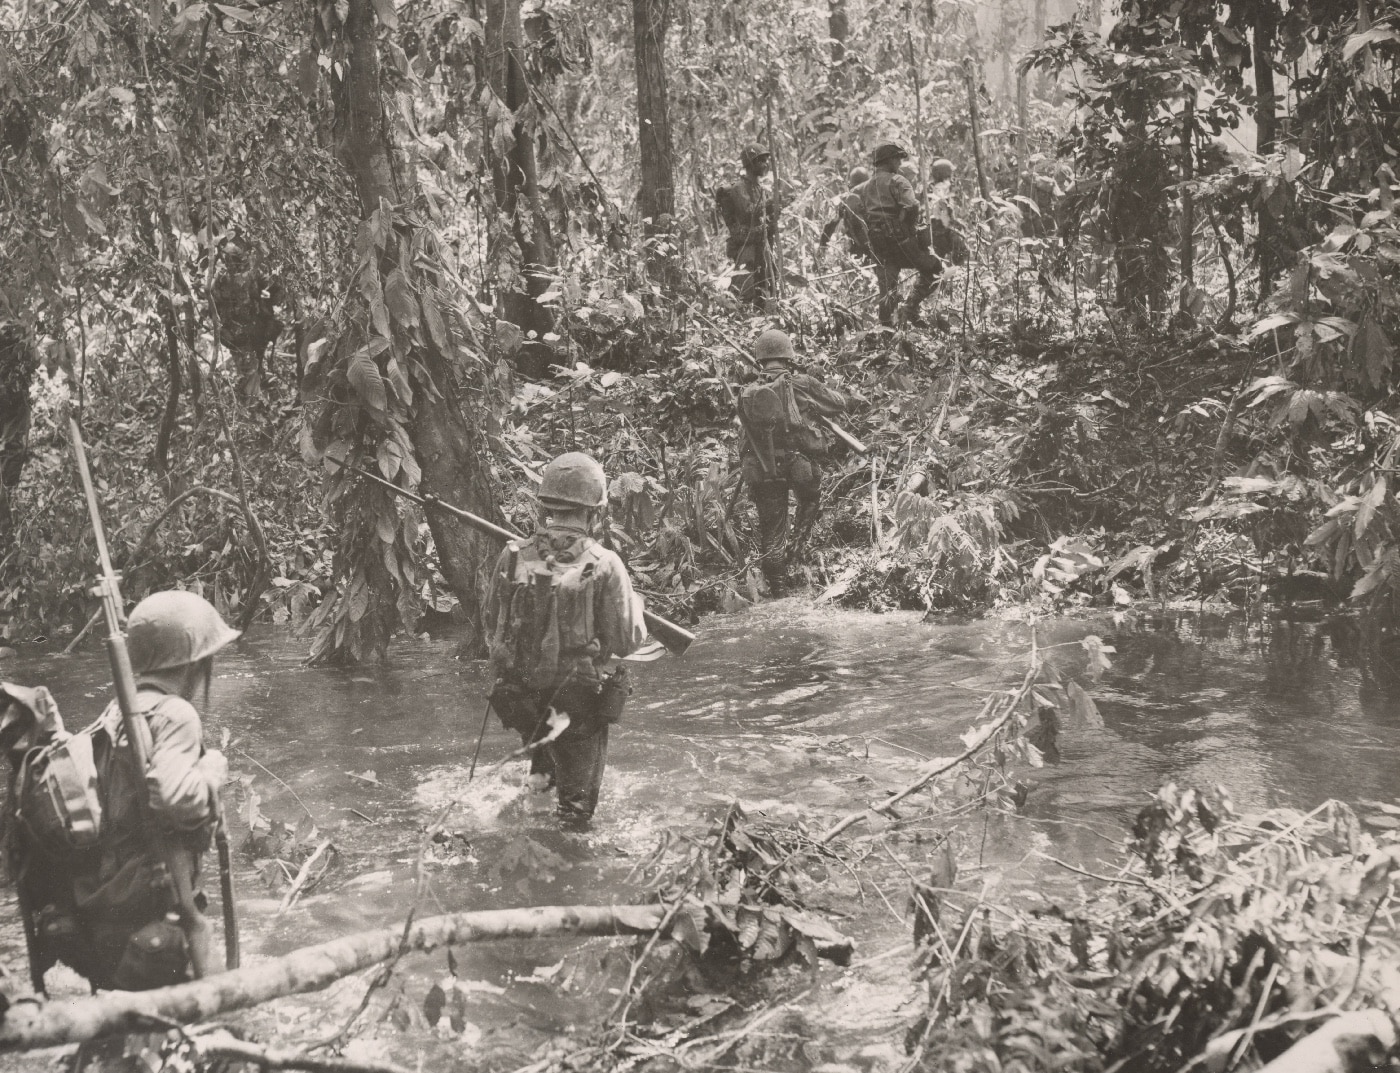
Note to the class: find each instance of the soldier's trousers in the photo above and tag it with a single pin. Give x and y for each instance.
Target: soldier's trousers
(894, 253)
(576, 766)
(802, 477)
(753, 274)
(575, 761)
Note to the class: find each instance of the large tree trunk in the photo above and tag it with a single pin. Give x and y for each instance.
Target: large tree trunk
(514, 175)
(657, 196)
(454, 461)
(451, 450)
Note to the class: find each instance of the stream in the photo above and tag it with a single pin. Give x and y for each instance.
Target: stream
(795, 711)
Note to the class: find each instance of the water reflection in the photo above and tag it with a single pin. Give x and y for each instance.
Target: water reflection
(806, 712)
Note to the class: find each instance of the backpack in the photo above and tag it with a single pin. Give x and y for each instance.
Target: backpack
(774, 425)
(547, 615)
(57, 802)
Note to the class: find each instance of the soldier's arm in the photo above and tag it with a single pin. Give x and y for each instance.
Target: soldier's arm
(829, 230)
(179, 784)
(816, 396)
(617, 612)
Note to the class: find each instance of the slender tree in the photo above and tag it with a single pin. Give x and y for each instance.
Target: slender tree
(657, 196)
(510, 111)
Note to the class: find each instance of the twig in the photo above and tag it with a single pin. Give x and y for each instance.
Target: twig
(68, 651)
(258, 764)
(172, 507)
(1125, 880)
(985, 734)
(302, 876)
(748, 1030)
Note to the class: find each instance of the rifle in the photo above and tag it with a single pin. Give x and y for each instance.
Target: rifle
(232, 957)
(840, 433)
(138, 731)
(675, 638)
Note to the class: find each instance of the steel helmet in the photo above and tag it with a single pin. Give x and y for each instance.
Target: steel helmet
(773, 345)
(858, 175)
(575, 480)
(941, 169)
(887, 151)
(753, 153)
(171, 629)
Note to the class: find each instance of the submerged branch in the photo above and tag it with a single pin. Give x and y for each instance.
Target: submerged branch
(28, 1025)
(985, 733)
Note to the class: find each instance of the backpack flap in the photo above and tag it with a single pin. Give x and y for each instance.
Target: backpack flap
(574, 605)
(59, 803)
(763, 416)
(28, 718)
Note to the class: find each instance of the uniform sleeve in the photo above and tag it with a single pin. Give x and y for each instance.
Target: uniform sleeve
(903, 193)
(618, 611)
(179, 786)
(814, 395)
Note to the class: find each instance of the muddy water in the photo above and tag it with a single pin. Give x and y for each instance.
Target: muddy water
(793, 711)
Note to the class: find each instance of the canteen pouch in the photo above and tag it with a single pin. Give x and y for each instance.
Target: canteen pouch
(612, 697)
(156, 955)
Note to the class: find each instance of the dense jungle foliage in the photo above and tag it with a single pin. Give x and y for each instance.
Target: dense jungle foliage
(246, 242)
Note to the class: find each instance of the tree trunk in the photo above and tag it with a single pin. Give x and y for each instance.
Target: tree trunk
(514, 175)
(18, 360)
(1266, 122)
(975, 124)
(451, 450)
(838, 26)
(29, 1025)
(1188, 200)
(453, 456)
(657, 196)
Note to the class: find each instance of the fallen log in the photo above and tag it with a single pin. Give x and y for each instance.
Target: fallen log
(29, 1024)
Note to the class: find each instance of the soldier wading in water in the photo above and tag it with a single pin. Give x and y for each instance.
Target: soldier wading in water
(560, 606)
(782, 448)
(109, 910)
